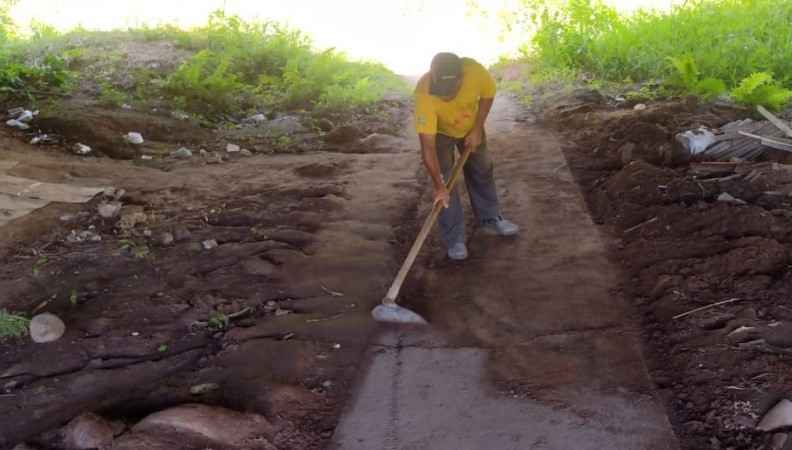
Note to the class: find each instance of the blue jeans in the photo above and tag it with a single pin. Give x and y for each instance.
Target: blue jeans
(480, 183)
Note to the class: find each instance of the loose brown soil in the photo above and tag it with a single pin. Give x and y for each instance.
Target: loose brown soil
(681, 249)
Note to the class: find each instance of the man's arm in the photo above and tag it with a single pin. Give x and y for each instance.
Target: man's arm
(429, 156)
(476, 135)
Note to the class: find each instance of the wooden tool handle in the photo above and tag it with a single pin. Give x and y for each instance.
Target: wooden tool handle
(393, 292)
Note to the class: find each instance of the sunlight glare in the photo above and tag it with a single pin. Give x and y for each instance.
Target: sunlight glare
(402, 34)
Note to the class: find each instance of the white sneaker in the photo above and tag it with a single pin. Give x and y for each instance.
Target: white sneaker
(500, 226)
(458, 251)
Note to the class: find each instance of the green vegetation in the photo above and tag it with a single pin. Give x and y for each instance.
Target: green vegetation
(226, 68)
(220, 321)
(127, 245)
(12, 325)
(704, 47)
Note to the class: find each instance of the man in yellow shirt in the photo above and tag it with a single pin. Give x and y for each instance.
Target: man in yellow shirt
(452, 102)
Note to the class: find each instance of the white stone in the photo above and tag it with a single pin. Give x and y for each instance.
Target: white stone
(109, 210)
(46, 327)
(233, 148)
(134, 138)
(640, 107)
(81, 149)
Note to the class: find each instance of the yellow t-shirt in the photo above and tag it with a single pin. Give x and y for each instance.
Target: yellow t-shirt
(456, 117)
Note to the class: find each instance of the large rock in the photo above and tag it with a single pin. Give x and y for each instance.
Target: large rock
(88, 431)
(219, 425)
(46, 327)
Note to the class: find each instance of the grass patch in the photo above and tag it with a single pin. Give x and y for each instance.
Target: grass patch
(704, 47)
(13, 325)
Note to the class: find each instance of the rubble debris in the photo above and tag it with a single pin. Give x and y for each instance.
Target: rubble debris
(17, 124)
(84, 236)
(696, 141)
(745, 139)
(779, 416)
(736, 169)
(46, 327)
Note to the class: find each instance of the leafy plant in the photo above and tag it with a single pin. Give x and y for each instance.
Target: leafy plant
(110, 95)
(221, 321)
(40, 262)
(13, 325)
(127, 245)
(74, 298)
(162, 348)
(760, 89)
(687, 79)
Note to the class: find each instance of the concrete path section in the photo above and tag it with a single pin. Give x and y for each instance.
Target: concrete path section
(528, 346)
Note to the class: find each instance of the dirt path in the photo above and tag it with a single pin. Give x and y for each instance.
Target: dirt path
(530, 346)
(305, 250)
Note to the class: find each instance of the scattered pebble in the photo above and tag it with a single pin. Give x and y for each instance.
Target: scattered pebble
(166, 238)
(146, 157)
(233, 148)
(210, 244)
(640, 107)
(245, 152)
(182, 153)
(135, 138)
(81, 149)
(181, 233)
(336, 346)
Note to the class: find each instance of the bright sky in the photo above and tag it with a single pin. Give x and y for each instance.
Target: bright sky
(402, 34)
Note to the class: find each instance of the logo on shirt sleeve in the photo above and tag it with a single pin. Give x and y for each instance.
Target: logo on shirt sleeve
(422, 120)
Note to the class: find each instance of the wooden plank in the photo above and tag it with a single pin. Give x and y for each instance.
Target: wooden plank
(777, 143)
(775, 120)
(712, 166)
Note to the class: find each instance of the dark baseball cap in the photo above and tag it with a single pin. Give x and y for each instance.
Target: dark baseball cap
(447, 69)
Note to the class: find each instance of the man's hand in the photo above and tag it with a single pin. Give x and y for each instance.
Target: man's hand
(474, 138)
(441, 195)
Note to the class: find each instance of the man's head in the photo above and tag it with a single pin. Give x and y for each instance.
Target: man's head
(446, 72)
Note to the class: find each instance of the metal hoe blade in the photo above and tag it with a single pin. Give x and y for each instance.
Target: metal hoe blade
(396, 314)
